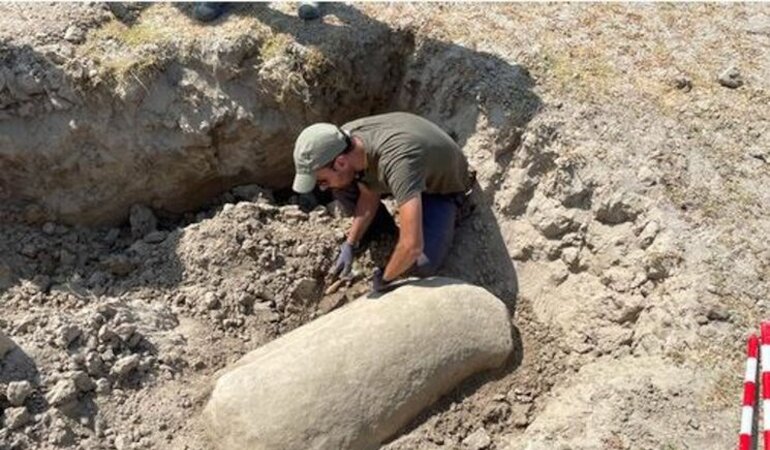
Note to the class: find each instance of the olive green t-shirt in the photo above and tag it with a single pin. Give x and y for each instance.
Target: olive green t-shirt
(407, 155)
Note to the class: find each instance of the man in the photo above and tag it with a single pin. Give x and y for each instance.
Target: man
(399, 154)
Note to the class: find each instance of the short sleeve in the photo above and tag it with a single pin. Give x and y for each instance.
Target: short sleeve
(404, 173)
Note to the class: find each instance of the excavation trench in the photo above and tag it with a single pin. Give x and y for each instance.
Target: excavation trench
(140, 115)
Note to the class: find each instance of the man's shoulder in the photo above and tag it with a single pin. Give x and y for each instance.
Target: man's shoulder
(380, 119)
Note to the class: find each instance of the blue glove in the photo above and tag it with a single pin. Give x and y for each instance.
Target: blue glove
(344, 261)
(378, 284)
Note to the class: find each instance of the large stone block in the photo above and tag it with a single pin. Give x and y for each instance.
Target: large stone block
(354, 377)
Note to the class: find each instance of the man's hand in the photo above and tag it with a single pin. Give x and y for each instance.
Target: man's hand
(378, 284)
(344, 262)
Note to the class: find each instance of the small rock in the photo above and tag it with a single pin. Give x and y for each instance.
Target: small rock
(305, 289)
(252, 192)
(660, 266)
(98, 278)
(119, 264)
(18, 391)
(108, 355)
(67, 334)
(77, 361)
(94, 364)
(125, 365)
(67, 259)
(106, 335)
(496, 412)
(319, 212)
(718, 313)
(16, 417)
(103, 386)
(125, 331)
(246, 300)
(293, 212)
(60, 434)
(551, 218)
(30, 83)
(112, 236)
(49, 228)
(134, 340)
(478, 440)
(122, 442)
(75, 34)
(571, 257)
(618, 208)
(559, 275)
(142, 221)
(302, 250)
(520, 414)
(683, 83)
(29, 250)
(147, 363)
(83, 382)
(731, 78)
(106, 310)
(648, 234)
(210, 301)
(62, 393)
(155, 237)
(100, 426)
(647, 176)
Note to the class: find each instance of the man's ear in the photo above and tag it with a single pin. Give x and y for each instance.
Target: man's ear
(341, 162)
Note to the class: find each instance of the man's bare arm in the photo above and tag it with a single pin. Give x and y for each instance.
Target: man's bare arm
(410, 242)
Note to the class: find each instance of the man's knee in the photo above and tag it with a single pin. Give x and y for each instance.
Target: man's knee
(426, 269)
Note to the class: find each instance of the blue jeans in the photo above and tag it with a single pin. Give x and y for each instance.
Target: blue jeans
(439, 217)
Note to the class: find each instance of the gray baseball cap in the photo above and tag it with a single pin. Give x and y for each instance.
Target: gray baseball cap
(316, 146)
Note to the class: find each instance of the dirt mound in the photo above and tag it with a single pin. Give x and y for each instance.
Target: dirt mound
(100, 333)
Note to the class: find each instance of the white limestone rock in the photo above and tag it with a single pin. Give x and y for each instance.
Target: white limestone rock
(354, 377)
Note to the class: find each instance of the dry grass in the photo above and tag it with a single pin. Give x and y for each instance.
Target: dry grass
(116, 49)
(582, 73)
(126, 53)
(275, 46)
(598, 53)
(132, 36)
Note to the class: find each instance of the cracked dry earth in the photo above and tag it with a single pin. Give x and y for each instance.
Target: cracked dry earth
(148, 240)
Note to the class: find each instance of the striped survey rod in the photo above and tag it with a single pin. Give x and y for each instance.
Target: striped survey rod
(765, 358)
(746, 438)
